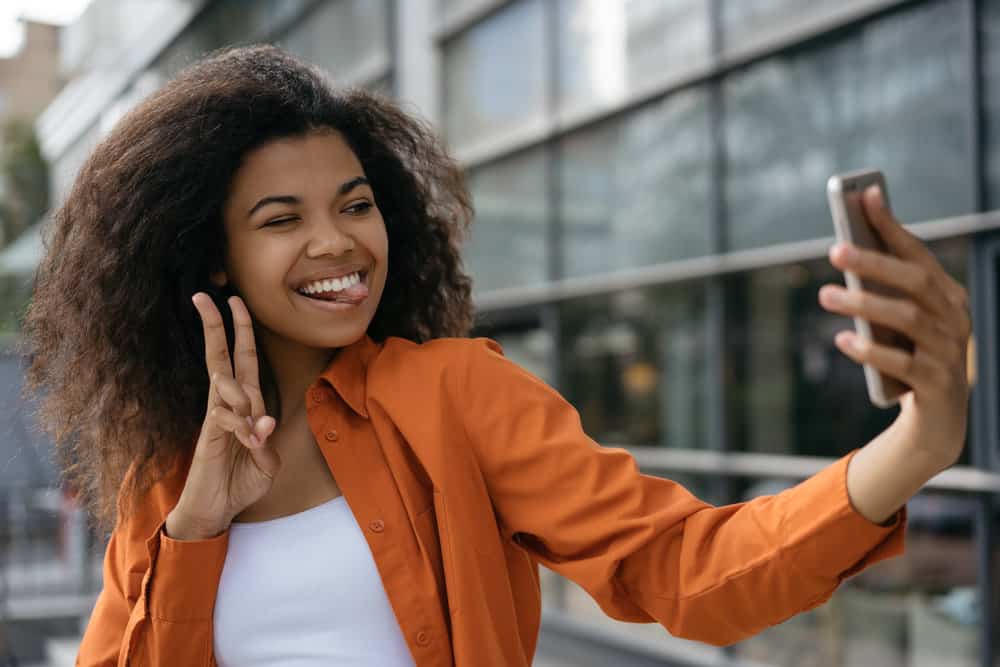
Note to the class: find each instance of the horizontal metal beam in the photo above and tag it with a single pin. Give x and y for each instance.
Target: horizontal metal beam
(710, 265)
(742, 464)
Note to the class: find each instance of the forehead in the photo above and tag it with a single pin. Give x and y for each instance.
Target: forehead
(294, 165)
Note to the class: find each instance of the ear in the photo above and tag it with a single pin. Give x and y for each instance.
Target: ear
(219, 278)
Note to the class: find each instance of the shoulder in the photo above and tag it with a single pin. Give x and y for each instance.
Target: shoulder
(464, 368)
(441, 355)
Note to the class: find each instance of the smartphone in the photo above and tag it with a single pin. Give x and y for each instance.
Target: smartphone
(850, 224)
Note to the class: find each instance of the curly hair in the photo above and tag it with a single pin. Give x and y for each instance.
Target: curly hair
(113, 344)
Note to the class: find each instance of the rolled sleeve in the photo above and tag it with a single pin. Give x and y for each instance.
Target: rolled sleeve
(184, 576)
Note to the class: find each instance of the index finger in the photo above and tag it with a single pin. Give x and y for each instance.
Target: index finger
(901, 242)
(216, 347)
(247, 372)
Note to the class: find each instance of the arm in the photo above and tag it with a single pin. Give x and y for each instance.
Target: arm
(158, 609)
(644, 547)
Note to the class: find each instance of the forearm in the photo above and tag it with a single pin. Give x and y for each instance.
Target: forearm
(888, 471)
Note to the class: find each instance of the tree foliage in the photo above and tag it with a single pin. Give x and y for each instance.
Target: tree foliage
(25, 179)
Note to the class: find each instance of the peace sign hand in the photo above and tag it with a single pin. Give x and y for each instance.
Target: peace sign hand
(233, 466)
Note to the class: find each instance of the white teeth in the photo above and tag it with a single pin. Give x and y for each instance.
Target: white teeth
(332, 284)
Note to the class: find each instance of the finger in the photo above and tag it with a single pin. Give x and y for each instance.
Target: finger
(230, 422)
(216, 348)
(918, 371)
(245, 352)
(233, 396)
(899, 240)
(909, 277)
(264, 426)
(902, 315)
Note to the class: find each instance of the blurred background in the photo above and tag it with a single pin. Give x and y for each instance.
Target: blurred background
(649, 177)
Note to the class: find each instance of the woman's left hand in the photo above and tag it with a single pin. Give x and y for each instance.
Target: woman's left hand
(932, 311)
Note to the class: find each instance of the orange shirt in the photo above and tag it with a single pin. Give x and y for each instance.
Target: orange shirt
(465, 472)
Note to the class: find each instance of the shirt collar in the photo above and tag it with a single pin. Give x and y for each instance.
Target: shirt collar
(348, 372)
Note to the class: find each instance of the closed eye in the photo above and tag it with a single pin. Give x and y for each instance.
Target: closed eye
(278, 221)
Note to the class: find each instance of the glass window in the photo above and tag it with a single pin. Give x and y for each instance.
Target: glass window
(608, 49)
(792, 391)
(990, 35)
(889, 94)
(495, 74)
(508, 246)
(634, 365)
(636, 190)
(746, 21)
(920, 609)
(344, 37)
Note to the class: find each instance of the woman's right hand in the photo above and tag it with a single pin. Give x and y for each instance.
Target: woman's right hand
(233, 466)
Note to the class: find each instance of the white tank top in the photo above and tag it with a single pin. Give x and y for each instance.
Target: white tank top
(303, 591)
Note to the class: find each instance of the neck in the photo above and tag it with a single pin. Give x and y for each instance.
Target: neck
(294, 367)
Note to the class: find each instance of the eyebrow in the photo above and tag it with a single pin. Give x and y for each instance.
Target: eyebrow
(344, 188)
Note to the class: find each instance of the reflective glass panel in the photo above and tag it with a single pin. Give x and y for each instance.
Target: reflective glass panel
(890, 94)
(495, 73)
(344, 37)
(920, 609)
(508, 246)
(746, 21)
(608, 49)
(636, 190)
(634, 365)
(990, 36)
(793, 391)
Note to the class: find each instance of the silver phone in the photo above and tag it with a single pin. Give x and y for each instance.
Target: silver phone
(849, 221)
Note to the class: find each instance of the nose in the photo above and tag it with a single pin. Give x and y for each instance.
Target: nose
(329, 239)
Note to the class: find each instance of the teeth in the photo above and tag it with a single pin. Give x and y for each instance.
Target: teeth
(332, 284)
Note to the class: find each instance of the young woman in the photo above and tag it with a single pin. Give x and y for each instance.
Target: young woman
(248, 329)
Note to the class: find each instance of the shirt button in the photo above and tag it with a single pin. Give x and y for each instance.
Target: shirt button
(377, 526)
(423, 639)
(332, 436)
(317, 396)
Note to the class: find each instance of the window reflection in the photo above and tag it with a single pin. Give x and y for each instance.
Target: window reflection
(920, 609)
(793, 391)
(492, 84)
(608, 49)
(345, 37)
(636, 190)
(633, 364)
(990, 35)
(508, 246)
(794, 119)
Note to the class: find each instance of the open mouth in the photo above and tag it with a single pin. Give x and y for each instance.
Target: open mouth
(348, 289)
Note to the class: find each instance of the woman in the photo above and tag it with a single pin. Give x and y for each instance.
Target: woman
(312, 466)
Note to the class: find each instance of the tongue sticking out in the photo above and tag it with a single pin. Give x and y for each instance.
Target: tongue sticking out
(354, 294)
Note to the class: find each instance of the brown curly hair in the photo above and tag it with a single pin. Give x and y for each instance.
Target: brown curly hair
(112, 340)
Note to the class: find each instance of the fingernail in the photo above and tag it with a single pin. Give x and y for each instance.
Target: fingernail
(831, 297)
(250, 421)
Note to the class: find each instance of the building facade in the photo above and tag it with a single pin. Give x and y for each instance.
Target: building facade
(655, 172)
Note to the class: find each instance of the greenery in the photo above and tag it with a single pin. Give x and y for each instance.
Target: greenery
(25, 178)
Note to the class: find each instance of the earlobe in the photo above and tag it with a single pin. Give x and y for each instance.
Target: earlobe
(219, 278)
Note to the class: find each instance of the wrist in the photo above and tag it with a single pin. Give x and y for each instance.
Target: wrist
(183, 527)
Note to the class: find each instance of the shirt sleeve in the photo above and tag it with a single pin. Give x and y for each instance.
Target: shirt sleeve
(644, 547)
(160, 612)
